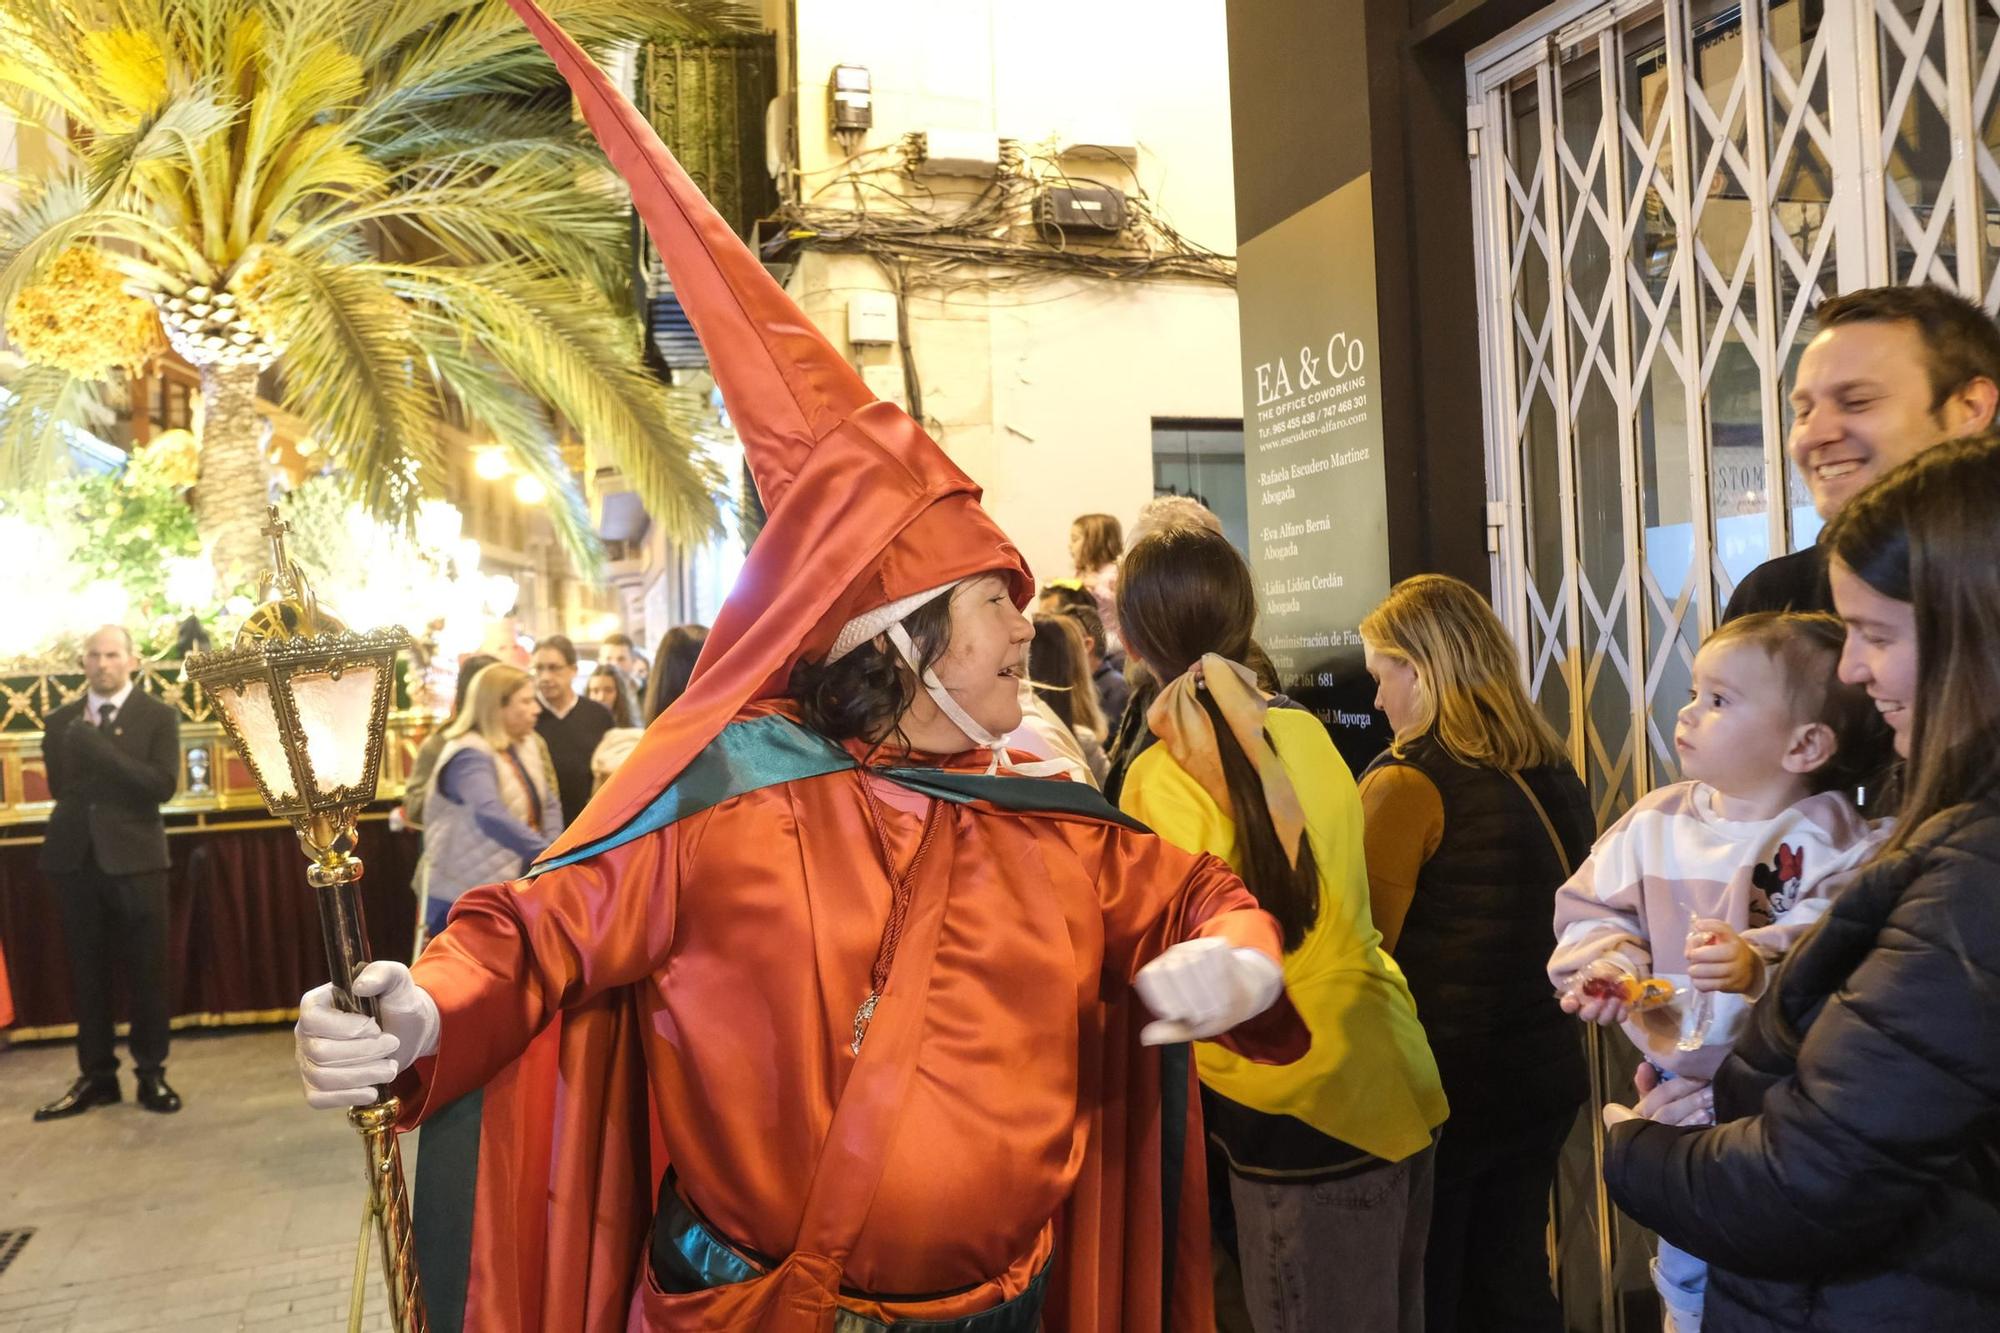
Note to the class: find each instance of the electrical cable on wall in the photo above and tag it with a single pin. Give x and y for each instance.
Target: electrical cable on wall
(987, 238)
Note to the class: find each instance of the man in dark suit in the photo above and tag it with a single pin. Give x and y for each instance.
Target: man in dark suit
(113, 758)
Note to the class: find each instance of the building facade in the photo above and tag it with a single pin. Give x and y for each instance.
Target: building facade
(1048, 382)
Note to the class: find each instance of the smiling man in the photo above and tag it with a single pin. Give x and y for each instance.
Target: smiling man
(1893, 371)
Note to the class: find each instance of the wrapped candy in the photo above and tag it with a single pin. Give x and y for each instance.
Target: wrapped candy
(1611, 979)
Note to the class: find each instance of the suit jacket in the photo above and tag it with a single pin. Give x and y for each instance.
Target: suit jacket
(109, 786)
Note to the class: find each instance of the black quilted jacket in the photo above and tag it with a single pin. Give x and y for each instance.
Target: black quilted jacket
(1855, 1183)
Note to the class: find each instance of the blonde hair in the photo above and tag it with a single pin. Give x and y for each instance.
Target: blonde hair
(484, 700)
(1172, 511)
(1469, 689)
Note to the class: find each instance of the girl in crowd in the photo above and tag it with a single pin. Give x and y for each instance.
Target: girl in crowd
(1464, 905)
(491, 807)
(1853, 1181)
(1330, 1158)
(673, 664)
(608, 686)
(1059, 666)
(1095, 543)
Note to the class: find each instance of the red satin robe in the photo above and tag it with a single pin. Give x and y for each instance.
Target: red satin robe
(747, 933)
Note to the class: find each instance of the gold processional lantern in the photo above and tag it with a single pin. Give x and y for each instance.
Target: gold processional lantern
(306, 702)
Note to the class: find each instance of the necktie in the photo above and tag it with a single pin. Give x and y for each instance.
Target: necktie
(105, 712)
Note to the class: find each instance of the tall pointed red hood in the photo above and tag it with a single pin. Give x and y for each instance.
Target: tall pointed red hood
(863, 507)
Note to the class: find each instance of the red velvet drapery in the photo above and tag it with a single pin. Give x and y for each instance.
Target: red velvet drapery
(243, 927)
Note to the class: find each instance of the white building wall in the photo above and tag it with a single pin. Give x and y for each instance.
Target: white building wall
(1046, 395)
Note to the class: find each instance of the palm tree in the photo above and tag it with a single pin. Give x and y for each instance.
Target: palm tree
(384, 203)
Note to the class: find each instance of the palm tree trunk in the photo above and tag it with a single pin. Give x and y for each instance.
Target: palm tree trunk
(230, 494)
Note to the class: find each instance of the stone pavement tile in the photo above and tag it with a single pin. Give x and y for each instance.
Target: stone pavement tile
(20, 1304)
(35, 1304)
(215, 1313)
(248, 1202)
(326, 1214)
(47, 1252)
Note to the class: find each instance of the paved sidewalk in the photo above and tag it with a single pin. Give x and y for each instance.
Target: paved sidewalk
(241, 1212)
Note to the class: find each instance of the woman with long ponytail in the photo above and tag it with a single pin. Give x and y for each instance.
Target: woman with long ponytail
(1330, 1157)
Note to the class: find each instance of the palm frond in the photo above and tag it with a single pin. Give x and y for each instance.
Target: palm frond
(564, 344)
(36, 44)
(478, 215)
(521, 426)
(31, 109)
(58, 215)
(389, 27)
(594, 22)
(304, 87)
(126, 69)
(167, 135)
(241, 44)
(319, 169)
(39, 408)
(481, 131)
(351, 371)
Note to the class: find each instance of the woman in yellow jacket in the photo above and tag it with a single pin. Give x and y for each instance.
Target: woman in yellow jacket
(1330, 1157)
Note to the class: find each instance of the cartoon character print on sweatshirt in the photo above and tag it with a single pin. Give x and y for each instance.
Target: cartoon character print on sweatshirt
(1775, 886)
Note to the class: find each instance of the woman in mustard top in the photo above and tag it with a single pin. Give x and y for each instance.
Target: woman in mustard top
(1330, 1157)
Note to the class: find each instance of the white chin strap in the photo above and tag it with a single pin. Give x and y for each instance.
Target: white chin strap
(978, 735)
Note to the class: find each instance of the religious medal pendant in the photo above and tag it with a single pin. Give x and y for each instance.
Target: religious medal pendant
(861, 1017)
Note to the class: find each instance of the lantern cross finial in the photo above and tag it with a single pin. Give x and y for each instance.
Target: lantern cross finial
(275, 529)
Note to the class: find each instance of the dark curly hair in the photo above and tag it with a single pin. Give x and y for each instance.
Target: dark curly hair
(865, 694)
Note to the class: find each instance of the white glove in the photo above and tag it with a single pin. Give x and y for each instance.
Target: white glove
(1203, 987)
(343, 1057)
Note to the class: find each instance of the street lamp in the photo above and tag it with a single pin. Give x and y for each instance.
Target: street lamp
(305, 700)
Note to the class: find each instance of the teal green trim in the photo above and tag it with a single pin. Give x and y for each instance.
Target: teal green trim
(687, 1256)
(1046, 796)
(744, 757)
(770, 750)
(442, 1208)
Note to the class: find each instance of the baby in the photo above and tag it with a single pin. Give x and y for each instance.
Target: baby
(1702, 885)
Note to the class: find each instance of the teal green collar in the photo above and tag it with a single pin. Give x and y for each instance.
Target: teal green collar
(767, 751)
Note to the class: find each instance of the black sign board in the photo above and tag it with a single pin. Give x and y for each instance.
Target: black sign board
(1313, 456)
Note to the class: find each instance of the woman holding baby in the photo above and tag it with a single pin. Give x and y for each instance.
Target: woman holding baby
(1853, 1179)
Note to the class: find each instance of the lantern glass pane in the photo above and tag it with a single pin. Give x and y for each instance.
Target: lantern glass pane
(334, 713)
(253, 721)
